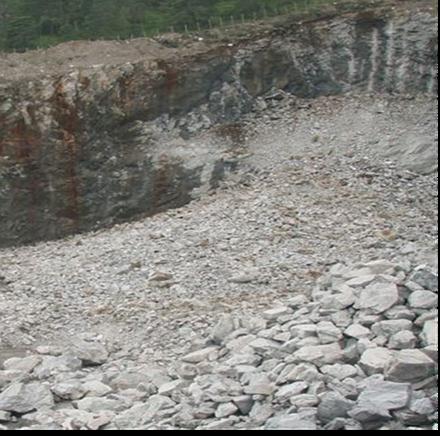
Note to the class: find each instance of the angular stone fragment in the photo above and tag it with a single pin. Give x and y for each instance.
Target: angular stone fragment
(225, 410)
(333, 405)
(51, 365)
(430, 333)
(5, 416)
(95, 388)
(391, 327)
(376, 360)
(423, 300)
(261, 412)
(223, 329)
(378, 297)
(328, 333)
(264, 346)
(320, 355)
(379, 398)
(402, 340)
(21, 398)
(296, 421)
(426, 278)
(244, 403)
(357, 331)
(200, 355)
(410, 366)
(91, 353)
(69, 390)
(274, 314)
(25, 364)
(167, 389)
(288, 391)
(339, 371)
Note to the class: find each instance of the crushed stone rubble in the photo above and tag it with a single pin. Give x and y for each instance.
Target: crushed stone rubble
(301, 294)
(352, 355)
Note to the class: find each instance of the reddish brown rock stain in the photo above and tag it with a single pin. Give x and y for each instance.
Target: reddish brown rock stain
(23, 143)
(68, 120)
(171, 76)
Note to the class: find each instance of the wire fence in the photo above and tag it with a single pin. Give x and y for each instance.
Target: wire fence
(297, 9)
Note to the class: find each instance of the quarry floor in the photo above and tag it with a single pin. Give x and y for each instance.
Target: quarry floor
(336, 179)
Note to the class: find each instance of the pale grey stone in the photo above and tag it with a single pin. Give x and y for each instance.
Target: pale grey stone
(225, 410)
(357, 331)
(423, 300)
(297, 301)
(6, 377)
(95, 388)
(304, 400)
(400, 312)
(422, 406)
(90, 353)
(303, 331)
(25, 364)
(21, 398)
(402, 340)
(156, 407)
(264, 346)
(376, 360)
(222, 424)
(380, 266)
(241, 344)
(140, 375)
(276, 313)
(328, 332)
(261, 412)
(360, 281)
(286, 392)
(72, 390)
(379, 398)
(410, 366)
(333, 405)
(244, 403)
(391, 327)
(378, 297)
(98, 404)
(5, 416)
(168, 389)
(430, 333)
(51, 365)
(200, 355)
(339, 371)
(426, 278)
(223, 329)
(296, 421)
(320, 355)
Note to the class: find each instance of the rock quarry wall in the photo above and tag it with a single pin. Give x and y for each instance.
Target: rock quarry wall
(95, 146)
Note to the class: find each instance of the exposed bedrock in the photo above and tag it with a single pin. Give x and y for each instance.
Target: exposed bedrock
(100, 145)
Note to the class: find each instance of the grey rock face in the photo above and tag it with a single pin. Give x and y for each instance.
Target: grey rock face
(93, 156)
